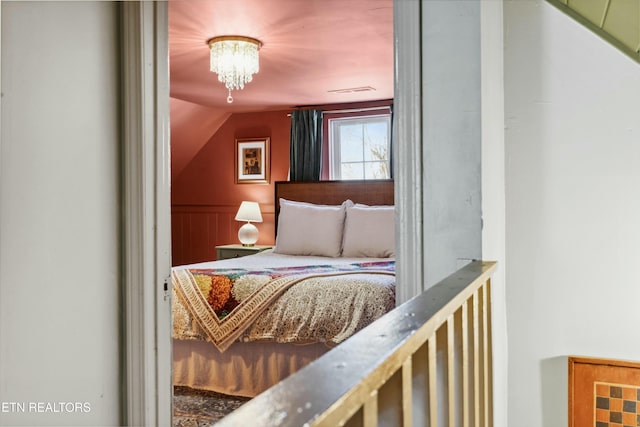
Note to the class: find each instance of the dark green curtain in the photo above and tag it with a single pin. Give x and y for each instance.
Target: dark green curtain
(306, 145)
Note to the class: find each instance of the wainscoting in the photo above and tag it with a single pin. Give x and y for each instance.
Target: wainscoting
(196, 230)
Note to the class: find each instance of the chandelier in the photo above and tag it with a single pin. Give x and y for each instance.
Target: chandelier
(235, 60)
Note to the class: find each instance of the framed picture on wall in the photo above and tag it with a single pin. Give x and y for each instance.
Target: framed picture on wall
(252, 161)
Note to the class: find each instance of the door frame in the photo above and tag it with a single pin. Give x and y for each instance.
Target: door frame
(147, 363)
(407, 149)
(146, 223)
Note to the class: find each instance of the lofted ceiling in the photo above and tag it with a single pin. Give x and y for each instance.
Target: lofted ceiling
(617, 21)
(314, 52)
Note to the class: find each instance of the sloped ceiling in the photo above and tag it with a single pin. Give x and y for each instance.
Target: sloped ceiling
(310, 49)
(617, 21)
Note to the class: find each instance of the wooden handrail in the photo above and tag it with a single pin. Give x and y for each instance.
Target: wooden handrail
(427, 362)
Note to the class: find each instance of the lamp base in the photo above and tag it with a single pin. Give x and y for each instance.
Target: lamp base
(248, 234)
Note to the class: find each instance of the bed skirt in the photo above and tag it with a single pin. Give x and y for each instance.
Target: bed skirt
(245, 369)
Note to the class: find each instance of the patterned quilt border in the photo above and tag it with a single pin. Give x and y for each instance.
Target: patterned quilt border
(223, 332)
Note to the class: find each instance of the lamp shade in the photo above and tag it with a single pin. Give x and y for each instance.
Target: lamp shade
(249, 211)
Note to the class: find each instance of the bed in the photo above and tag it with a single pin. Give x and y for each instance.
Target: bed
(330, 274)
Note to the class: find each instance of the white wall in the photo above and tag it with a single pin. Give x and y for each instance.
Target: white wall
(493, 191)
(451, 97)
(59, 216)
(572, 107)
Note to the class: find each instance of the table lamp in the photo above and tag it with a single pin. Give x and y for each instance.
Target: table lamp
(250, 212)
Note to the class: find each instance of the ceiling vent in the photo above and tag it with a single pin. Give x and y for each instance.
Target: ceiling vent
(353, 90)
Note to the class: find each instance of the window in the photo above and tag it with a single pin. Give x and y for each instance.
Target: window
(360, 147)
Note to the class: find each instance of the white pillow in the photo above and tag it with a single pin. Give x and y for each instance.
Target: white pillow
(369, 232)
(310, 229)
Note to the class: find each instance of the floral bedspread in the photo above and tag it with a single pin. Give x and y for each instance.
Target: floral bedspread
(302, 305)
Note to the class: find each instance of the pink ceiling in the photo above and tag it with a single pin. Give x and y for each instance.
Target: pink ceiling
(309, 48)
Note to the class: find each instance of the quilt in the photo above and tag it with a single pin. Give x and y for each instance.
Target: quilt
(319, 303)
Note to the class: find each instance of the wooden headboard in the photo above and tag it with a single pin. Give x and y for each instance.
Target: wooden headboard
(369, 192)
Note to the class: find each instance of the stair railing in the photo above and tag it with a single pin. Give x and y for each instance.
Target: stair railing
(426, 363)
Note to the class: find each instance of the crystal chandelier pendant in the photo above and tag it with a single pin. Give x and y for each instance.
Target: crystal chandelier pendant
(235, 60)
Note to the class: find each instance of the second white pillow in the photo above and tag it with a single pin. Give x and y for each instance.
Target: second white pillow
(369, 231)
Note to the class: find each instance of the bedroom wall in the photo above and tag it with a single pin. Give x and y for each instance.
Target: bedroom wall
(191, 127)
(572, 205)
(205, 197)
(59, 214)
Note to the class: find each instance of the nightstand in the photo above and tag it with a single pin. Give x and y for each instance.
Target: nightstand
(237, 250)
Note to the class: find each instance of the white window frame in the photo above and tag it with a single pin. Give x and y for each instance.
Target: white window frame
(333, 140)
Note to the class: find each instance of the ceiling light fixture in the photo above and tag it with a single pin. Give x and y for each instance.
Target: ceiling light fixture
(235, 60)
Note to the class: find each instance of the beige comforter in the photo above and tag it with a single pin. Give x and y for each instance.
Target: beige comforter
(302, 307)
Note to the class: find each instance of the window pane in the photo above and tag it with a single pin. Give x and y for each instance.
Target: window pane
(375, 141)
(375, 152)
(375, 133)
(376, 170)
(352, 171)
(350, 142)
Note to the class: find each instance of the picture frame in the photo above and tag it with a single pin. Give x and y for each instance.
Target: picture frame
(252, 160)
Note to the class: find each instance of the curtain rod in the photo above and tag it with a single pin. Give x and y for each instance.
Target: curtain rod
(357, 110)
(354, 110)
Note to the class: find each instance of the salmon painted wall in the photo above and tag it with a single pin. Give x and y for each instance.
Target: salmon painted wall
(205, 197)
